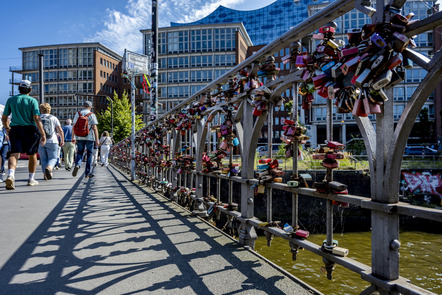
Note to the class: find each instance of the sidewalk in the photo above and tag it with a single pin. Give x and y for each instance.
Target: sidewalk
(106, 235)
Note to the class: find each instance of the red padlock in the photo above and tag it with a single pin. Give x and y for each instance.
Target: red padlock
(257, 112)
(303, 234)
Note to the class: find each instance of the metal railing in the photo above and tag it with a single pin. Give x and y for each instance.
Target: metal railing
(173, 153)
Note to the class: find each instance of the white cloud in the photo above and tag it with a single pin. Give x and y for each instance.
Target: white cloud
(199, 11)
(122, 29)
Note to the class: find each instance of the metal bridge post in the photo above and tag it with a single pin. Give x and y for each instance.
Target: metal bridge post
(270, 155)
(199, 166)
(247, 233)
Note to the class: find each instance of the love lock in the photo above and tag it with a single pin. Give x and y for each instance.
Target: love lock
(269, 238)
(329, 267)
(294, 249)
(228, 227)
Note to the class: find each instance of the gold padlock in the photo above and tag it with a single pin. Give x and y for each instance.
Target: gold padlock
(261, 189)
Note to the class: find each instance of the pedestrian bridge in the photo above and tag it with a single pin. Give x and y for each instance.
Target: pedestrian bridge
(108, 235)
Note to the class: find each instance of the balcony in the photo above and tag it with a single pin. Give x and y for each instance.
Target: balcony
(15, 81)
(16, 69)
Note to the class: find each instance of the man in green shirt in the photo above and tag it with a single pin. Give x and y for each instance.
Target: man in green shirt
(25, 131)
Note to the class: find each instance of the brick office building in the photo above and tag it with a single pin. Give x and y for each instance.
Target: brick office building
(73, 73)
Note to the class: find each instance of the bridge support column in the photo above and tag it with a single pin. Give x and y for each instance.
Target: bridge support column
(247, 235)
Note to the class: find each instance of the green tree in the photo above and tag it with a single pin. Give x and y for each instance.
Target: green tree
(424, 126)
(122, 118)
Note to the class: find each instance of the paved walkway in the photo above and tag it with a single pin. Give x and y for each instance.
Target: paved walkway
(107, 235)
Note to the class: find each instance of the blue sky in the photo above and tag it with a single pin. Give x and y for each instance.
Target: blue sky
(114, 23)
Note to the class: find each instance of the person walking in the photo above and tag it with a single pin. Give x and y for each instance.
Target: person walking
(86, 135)
(25, 131)
(69, 145)
(4, 155)
(50, 152)
(4, 144)
(105, 143)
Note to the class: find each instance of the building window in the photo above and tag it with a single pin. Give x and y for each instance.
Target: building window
(410, 91)
(67, 88)
(201, 40)
(50, 76)
(162, 92)
(201, 76)
(178, 62)
(85, 75)
(162, 63)
(201, 61)
(225, 60)
(162, 78)
(321, 114)
(178, 77)
(50, 58)
(219, 73)
(51, 88)
(33, 77)
(399, 93)
(67, 57)
(224, 39)
(178, 42)
(162, 43)
(67, 75)
(85, 57)
(195, 88)
(415, 75)
(430, 111)
(397, 111)
(178, 91)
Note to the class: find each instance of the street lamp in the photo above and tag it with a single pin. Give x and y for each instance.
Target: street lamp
(112, 115)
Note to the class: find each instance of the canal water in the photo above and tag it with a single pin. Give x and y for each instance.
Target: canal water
(420, 261)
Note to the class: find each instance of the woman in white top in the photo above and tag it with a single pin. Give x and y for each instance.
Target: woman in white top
(49, 152)
(105, 143)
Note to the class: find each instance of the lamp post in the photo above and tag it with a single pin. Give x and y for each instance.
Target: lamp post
(112, 118)
(112, 115)
(40, 78)
(154, 62)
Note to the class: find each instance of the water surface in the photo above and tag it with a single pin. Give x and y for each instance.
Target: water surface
(420, 261)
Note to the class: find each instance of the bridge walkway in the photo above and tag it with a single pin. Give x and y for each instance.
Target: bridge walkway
(107, 235)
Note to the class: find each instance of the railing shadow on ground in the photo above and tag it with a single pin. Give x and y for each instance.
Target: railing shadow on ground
(385, 144)
(82, 247)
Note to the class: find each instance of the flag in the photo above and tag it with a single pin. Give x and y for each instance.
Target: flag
(145, 84)
(145, 77)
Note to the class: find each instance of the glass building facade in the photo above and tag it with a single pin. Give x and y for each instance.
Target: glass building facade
(265, 24)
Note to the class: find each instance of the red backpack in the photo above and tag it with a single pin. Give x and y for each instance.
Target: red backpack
(81, 127)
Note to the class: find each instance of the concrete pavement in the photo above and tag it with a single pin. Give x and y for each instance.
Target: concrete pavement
(107, 235)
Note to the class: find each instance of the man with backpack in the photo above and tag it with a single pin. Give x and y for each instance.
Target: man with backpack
(86, 136)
